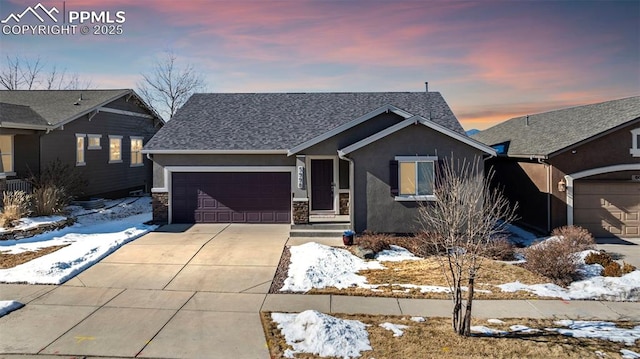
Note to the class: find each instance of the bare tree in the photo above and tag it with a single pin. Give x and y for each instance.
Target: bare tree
(465, 218)
(10, 75)
(168, 86)
(21, 73)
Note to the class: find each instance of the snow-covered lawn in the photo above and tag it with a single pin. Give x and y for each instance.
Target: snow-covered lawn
(316, 266)
(96, 234)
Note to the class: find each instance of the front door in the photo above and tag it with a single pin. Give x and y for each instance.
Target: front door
(322, 185)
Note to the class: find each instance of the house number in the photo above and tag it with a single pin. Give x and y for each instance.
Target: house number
(300, 177)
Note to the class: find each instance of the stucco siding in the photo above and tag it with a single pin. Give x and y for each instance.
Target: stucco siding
(374, 125)
(374, 207)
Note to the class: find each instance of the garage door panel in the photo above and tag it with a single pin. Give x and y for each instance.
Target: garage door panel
(608, 208)
(231, 197)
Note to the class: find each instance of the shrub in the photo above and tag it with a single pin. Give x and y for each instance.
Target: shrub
(16, 204)
(430, 244)
(554, 259)
(49, 200)
(374, 241)
(601, 258)
(499, 249)
(579, 237)
(613, 269)
(415, 245)
(56, 186)
(627, 268)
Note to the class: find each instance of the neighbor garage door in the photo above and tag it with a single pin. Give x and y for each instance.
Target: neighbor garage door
(238, 197)
(608, 208)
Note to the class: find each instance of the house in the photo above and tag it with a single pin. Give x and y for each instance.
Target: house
(283, 157)
(579, 166)
(99, 132)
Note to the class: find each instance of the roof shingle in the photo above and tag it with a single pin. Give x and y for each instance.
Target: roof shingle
(59, 106)
(280, 121)
(546, 133)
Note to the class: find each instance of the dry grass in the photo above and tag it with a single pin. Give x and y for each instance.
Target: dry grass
(435, 339)
(12, 260)
(429, 272)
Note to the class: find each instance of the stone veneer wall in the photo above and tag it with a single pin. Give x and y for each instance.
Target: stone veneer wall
(300, 212)
(344, 203)
(160, 207)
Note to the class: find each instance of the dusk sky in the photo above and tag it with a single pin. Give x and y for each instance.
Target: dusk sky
(491, 60)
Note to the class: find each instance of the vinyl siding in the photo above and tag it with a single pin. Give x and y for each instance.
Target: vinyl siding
(103, 177)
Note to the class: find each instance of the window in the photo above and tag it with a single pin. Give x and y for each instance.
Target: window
(635, 143)
(136, 151)
(94, 142)
(80, 149)
(115, 149)
(6, 152)
(415, 178)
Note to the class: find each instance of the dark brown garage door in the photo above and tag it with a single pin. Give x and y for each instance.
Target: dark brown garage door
(238, 197)
(608, 208)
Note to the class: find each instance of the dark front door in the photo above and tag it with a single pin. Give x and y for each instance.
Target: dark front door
(321, 185)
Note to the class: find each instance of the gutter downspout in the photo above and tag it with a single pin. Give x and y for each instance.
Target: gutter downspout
(351, 185)
(549, 191)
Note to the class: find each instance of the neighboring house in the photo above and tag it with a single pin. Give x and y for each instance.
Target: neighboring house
(100, 132)
(281, 157)
(578, 165)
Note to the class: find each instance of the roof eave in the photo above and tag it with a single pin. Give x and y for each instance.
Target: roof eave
(214, 152)
(25, 126)
(415, 120)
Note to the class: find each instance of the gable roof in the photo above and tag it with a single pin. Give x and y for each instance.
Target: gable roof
(414, 120)
(57, 107)
(277, 122)
(20, 114)
(544, 134)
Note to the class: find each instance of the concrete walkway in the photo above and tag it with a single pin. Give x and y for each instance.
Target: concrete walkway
(197, 291)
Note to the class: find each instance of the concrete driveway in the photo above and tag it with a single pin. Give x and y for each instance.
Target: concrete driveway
(181, 292)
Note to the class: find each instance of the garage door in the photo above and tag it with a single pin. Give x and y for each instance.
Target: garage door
(231, 197)
(608, 208)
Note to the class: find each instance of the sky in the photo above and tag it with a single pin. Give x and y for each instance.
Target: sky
(491, 60)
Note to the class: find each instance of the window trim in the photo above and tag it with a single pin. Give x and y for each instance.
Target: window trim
(10, 172)
(131, 139)
(115, 137)
(84, 150)
(635, 142)
(414, 159)
(89, 146)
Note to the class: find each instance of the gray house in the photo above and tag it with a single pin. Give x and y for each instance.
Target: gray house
(287, 157)
(578, 165)
(100, 132)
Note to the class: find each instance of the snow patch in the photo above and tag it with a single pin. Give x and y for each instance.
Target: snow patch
(486, 330)
(317, 333)
(396, 254)
(628, 354)
(33, 222)
(600, 330)
(625, 288)
(315, 265)
(8, 306)
(495, 321)
(418, 319)
(395, 328)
